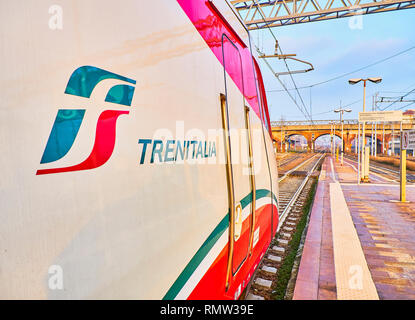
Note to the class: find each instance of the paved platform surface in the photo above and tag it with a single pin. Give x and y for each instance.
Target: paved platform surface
(359, 244)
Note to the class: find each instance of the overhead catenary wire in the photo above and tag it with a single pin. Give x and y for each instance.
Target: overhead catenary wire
(288, 69)
(332, 110)
(304, 112)
(296, 88)
(347, 105)
(348, 73)
(397, 100)
(406, 106)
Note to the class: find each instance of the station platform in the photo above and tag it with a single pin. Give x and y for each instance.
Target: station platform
(360, 241)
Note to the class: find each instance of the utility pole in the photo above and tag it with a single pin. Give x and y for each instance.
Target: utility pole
(342, 111)
(376, 126)
(402, 170)
(282, 124)
(331, 138)
(355, 81)
(334, 137)
(372, 146)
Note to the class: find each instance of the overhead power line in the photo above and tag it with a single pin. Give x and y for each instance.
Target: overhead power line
(303, 111)
(348, 73)
(288, 69)
(399, 99)
(406, 106)
(332, 110)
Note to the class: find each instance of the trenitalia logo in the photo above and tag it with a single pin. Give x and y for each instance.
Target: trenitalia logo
(68, 121)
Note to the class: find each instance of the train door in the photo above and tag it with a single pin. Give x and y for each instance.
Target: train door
(241, 190)
(266, 121)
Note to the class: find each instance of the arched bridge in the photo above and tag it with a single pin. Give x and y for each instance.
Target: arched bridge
(312, 130)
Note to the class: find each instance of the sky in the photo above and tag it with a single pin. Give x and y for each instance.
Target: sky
(335, 47)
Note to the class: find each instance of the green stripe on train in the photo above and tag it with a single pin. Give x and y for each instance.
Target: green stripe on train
(208, 244)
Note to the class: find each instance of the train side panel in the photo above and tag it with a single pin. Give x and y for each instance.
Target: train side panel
(112, 170)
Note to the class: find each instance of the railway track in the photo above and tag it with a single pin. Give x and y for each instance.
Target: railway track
(289, 158)
(294, 189)
(284, 161)
(289, 172)
(387, 172)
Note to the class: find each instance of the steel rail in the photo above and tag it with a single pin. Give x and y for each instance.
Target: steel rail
(384, 170)
(293, 199)
(256, 276)
(294, 169)
(286, 161)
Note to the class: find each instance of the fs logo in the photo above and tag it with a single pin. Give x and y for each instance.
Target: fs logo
(68, 121)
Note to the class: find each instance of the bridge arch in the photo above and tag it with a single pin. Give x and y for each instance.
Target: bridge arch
(320, 134)
(290, 137)
(323, 141)
(312, 130)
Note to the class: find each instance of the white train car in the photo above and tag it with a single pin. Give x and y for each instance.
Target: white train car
(137, 159)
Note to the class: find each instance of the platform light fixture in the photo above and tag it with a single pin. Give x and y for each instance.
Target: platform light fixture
(353, 82)
(342, 111)
(357, 80)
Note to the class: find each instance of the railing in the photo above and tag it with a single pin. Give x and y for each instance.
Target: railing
(309, 123)
(407, 120)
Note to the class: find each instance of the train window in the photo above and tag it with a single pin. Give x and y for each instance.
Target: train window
(229, 18)
(262, 100)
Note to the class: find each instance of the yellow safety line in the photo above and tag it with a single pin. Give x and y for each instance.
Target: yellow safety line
(353, 278)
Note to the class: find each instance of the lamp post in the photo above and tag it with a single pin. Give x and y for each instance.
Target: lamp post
(342, 111)
(353, 82)
(331, 139)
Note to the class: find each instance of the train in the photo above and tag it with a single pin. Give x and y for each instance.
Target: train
(137, 154)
